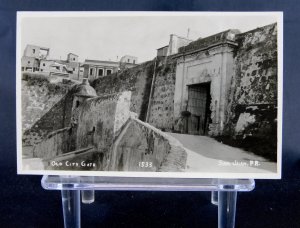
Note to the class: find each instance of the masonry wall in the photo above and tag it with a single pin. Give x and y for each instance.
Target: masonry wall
(137, 80)
(38, 96)
(54, 144)
(46, 107)
(161, 113)
(109, 138)
(141, 147)
(252, 109)
(100, 120)
(57, 117)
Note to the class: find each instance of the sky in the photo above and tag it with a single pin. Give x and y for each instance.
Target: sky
(104, 36)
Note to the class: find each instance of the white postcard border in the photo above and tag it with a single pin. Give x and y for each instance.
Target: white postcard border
(266, 175)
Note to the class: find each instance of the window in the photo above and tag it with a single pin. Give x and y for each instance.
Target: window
(91, 71)
(73, 69)
(100, 72)
(133, 61)
(108, 72)
(33, 51)
(73, 59)
(128, 60)
(28, 62)
(44, 64)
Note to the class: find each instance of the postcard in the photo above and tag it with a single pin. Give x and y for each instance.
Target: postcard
(150, 94)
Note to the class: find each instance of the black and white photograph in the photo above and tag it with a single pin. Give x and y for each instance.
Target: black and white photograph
(159, 94)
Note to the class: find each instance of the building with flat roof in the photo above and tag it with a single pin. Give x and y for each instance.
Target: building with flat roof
(35, 59)
(32, 55)
(172, 48)
(163, 51)
(36, 51)
(128, 61)
(71, 57)
(98, 68)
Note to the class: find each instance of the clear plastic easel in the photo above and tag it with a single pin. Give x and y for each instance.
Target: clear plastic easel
(224, 192)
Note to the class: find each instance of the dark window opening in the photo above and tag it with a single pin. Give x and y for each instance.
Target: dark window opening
(28, 62)
(33, 51)
(44, 64)
(108, 72)
(133, 61)
(77, 104)
(91, 71)
(100, 72)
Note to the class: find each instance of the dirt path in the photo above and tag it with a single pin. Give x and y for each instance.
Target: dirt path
(208, 155)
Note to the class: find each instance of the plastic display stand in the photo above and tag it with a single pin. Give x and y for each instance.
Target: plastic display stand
(224, 192)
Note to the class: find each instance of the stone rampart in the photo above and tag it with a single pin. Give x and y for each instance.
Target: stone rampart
(142, 147)
(137, 80)
(252, 102)
(99, 121)
(56, 143)
(38, 97)
(254, 88)
(161, 112)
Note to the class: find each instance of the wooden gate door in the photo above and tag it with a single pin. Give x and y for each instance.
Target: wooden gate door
(198, 106)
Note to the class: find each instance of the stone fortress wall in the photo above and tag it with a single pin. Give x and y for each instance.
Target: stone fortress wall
(46, 107)
(254, 87)
(137, 80)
